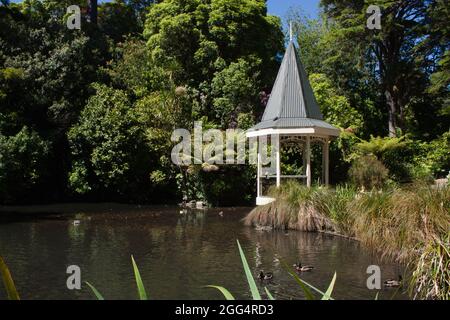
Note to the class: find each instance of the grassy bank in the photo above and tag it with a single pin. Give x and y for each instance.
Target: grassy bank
(409, 224)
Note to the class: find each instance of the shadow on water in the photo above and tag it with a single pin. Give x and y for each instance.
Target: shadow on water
(178, 253)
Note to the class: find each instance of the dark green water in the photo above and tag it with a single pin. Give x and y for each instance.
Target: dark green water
(177, 255)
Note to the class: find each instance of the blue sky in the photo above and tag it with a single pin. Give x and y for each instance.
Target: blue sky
(280, 7)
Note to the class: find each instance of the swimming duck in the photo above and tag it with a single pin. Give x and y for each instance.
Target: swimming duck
(392, 283)
(265, 276)
(298, 267)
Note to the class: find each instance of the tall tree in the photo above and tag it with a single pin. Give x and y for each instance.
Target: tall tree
(93, 10)
(45, 76)
(197, 40)
(399, 54)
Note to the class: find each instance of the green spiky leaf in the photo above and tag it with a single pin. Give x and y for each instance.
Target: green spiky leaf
(11, 290)
(269, 295)
(95, 291)
(225, 292)
(140, 285)
(248, 274)
(327, 295)
(305, 289)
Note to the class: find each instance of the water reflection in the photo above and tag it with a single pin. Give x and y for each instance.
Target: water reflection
(178, 254)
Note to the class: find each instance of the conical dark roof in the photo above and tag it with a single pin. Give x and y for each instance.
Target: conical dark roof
(292, 103)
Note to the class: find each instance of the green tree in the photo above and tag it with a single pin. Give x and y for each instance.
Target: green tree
(107, 146)
(225, 54)
(159, 114)
(439, 28)
(196, 40)
(354, 85)
(235, 91)
(310, 35)
(335, 107)
(130, 68)
(117, 19)
(45, 73)
(398, 56)
(23, 165)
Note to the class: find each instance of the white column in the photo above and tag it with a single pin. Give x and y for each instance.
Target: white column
(304, 159)
(322, 180)
(278, 160)
(326, 152)
(258, 175)
(308, 161)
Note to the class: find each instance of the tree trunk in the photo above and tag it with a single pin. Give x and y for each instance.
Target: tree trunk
(93, 11)
(392, 112)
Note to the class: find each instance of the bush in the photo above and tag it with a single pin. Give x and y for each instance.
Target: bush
(438, 156)
(221, 188)
(23, 159)
(107, 147)
(406, 159)
(368, 172)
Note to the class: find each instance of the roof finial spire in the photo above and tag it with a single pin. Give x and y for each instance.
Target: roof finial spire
(291, 33)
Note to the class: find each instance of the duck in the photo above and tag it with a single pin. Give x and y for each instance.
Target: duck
(265, 276)
(221, 214)
(392, 283)
(298, 267)
(263, 228)
(191, 204)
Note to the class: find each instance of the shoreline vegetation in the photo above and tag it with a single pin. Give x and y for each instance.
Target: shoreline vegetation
(409, 224)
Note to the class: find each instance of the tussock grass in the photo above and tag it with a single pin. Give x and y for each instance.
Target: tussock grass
(409, 224)
(294, 209)
(401, 221)
(431, 277)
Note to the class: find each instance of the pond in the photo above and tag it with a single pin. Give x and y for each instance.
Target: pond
(177, 254)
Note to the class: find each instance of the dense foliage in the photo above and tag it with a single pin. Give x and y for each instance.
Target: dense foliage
(88, 114)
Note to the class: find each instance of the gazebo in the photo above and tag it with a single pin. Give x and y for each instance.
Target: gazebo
(292, 116)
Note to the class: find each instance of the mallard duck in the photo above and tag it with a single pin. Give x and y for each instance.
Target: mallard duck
(392, 283)
(298, 267)
(263, 228)
(265, 276)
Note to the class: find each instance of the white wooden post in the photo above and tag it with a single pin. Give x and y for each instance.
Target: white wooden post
(308, 161)
(326, 152)
(304, 159)
(322, 180)
(278, 164)
(258, 175)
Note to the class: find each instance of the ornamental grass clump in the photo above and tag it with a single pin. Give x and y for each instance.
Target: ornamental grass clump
(409, 224)
(431, 276)
(333, 203)
(295, 208)
(401, 221)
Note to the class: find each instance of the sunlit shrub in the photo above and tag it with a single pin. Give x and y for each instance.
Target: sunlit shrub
(368, 172)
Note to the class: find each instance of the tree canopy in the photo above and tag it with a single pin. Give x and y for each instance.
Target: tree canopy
(88, 114)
